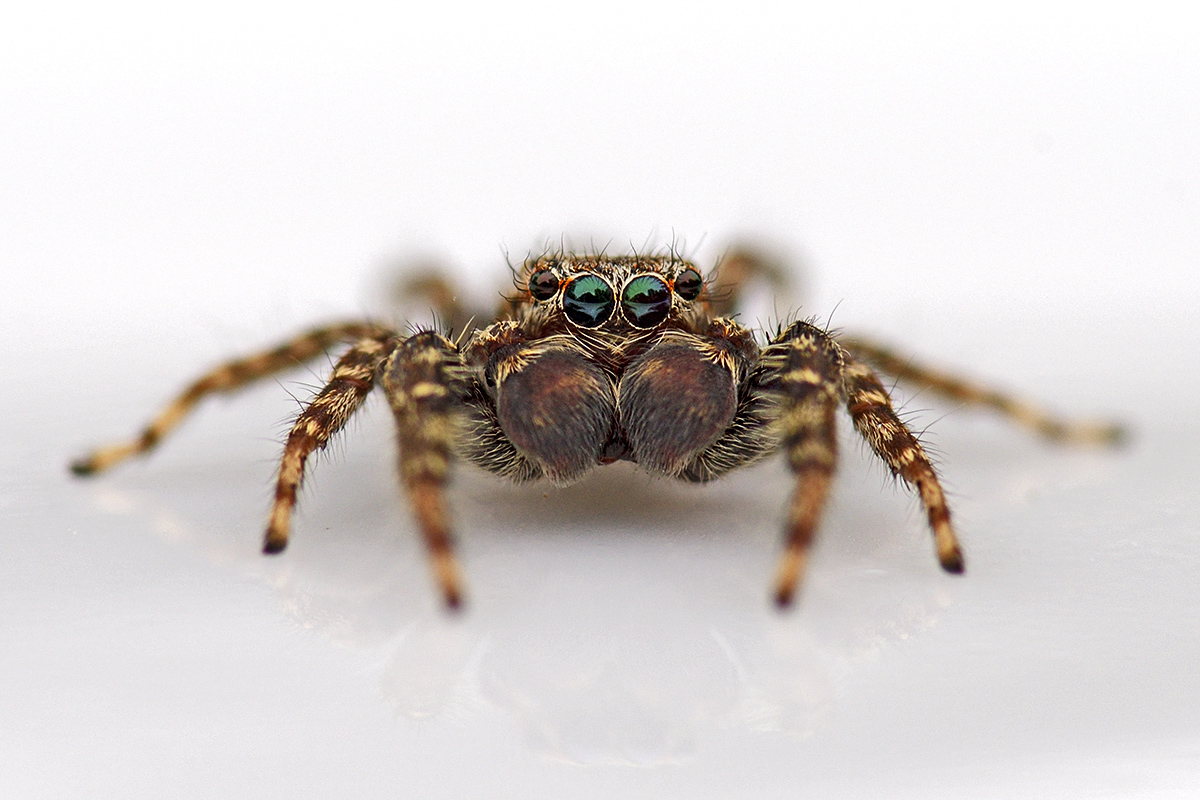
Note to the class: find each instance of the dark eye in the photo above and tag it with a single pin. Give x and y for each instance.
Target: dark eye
(688, 284)
(646, 301)
(543, 284)
(588, 300)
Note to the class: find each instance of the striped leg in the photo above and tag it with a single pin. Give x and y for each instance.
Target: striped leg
(223, 379)
(352, 380)
(876, 420)
(424, 381)
(1030, 416)
(807, 367)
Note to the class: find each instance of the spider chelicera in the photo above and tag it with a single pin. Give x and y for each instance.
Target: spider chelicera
(596, 359)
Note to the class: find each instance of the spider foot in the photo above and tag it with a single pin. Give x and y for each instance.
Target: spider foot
(787, 578)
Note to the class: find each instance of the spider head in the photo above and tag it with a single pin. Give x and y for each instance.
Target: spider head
(614, 293)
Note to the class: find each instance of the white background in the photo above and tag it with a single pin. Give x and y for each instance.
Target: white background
(1012, 192)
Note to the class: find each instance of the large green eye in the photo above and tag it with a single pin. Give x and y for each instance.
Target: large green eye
(646, 301)
(588, 300)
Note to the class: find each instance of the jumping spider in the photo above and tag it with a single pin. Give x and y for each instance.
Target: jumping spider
(596, 359)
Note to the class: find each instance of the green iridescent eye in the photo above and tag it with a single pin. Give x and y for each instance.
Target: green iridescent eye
(646, 301)
(688, 284)
(588, 300)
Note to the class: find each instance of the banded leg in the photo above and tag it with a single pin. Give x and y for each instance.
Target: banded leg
(225, 378)
(807, 368)
(425, 383)
(874, 418)
(964, 391)
(352, 380)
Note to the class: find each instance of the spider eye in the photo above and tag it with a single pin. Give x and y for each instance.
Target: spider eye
(646, 301)
(588, 300)
(688, 284)
(543, 284)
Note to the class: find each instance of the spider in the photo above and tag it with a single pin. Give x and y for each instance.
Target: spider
(596, 359)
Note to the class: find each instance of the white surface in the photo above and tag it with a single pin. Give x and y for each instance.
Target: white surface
(1012, 192)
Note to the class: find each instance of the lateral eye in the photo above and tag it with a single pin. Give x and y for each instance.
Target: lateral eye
(646, 301)
(543, 284)
(688, 284)
(588, 300)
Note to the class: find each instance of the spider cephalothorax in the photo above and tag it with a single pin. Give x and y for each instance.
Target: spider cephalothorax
(596, 359)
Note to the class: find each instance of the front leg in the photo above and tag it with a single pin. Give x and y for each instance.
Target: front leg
(426, 382)
(699, 407)
(802, 368)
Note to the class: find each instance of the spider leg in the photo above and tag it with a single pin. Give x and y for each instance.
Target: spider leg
(740, 266)
(1026, 414)
(789, 402)
(803, 371)
(430, 285)
(225, 378)
(352, 380)
(876, 421)
(425, 382)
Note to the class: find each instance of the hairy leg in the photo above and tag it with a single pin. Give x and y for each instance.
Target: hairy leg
(425, 383)
(805, 371)
(955, 388)
(352, 380)
(871, 409)
(226, 378)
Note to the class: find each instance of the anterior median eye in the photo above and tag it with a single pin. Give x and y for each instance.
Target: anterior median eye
(646, 301)
(588, 300)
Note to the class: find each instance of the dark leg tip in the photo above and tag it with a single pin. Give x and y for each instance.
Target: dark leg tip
(954, 564)
(83, 467)
(1117, 435)
(783, 599)
(271, 547)
(454, 603)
